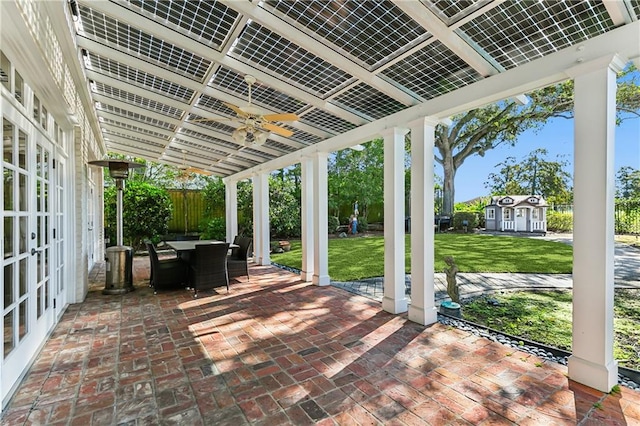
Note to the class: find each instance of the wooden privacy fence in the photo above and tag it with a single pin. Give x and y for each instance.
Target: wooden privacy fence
(188, 210)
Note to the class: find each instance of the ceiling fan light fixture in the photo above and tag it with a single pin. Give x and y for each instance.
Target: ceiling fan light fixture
(260, 137)
(239, 135)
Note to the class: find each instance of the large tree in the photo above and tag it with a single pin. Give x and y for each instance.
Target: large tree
(483, 129)
(356, 176)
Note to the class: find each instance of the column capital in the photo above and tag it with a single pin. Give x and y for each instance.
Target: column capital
(429, 121)
(394, 131)
(615, 62)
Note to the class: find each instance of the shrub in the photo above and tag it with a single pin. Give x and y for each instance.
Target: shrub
(333, 224)
(470, 217)
(146, 211)
(214, 229)
(627, 218)
(559, 222)
(363, 225)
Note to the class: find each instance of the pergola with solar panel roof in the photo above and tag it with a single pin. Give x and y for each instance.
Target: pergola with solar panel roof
(169, 82)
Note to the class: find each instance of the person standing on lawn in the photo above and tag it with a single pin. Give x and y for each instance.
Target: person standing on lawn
(354, 224)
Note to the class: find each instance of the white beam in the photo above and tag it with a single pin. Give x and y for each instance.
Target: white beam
(618, 12)
(423, 16)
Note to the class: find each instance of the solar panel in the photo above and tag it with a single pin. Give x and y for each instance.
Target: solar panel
(135, 116)
(137, 100)
(208, 21)
(326, 121)
(371, 31)
(134, 41)
(518, 32)
(139, 78)
(367, 102)
(431, 71)
(278, 55)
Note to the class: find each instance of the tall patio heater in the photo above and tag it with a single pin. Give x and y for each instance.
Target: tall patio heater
(119, 258)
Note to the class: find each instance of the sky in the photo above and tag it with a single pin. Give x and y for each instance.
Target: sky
(557, 137)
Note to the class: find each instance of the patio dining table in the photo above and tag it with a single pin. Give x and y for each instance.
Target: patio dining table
(186, 247)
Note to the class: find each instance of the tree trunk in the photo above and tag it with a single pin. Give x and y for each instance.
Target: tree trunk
(448, 191)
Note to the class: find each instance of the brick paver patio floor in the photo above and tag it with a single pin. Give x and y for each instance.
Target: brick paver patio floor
(277, 351)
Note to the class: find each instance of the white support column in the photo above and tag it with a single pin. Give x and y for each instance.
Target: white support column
(231, 209)
(394, 300)
(592, 362)
(265, 227)
(307, 240)
(422, 309)
(257, 224)
(320, 219)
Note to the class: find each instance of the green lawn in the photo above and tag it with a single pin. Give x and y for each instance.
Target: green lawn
(363, 257)
(545, 317)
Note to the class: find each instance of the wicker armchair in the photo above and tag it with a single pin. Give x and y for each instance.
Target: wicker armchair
(237, 263)
(209, 268)
(166, 274)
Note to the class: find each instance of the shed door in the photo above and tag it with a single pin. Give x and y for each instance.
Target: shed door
(521, 219)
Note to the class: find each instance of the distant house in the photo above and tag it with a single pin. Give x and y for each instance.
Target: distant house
(516, 213)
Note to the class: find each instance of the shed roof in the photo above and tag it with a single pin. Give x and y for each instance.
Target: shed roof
(517, 200)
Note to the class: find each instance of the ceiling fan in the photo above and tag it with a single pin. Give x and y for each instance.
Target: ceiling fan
(185, 170)
(255, 127)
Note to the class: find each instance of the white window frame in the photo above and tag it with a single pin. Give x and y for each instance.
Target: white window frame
(491, 214)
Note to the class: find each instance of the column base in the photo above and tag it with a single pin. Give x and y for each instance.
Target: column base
(600, 377)
(321, 280)
(424, 316)
(306, 276)
(395, 306)
(264, 261)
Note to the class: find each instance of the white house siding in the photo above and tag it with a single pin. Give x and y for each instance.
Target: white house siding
(34, 37)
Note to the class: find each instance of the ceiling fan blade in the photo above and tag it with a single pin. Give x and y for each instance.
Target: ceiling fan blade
(198, 171)
(277, 129)
(281, 117)
(237, 110)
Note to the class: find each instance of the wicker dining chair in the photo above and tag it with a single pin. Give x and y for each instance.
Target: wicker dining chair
(238, 263)
(209, 268)
(166, 274)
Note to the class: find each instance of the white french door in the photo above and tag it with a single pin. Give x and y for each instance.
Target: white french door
(59, 231)
(29, 262)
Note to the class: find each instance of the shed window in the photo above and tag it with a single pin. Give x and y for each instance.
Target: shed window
(491, 214)
(507, 214)
(535, 214)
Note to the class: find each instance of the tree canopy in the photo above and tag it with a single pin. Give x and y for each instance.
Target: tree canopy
(533, 175)
(628, 183)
